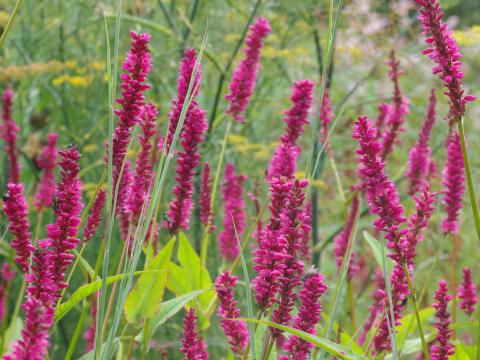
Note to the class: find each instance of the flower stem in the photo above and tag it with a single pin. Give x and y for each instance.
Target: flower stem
(473, 200)
(417, 313)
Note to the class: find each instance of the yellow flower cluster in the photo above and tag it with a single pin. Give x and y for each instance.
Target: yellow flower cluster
(469, 37)
(74, 80)
(255, 150)
(17, 72)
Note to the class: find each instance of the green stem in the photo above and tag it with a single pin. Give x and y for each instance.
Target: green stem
(417, 313)
(267, 349)
(473, 201)
(10, 22)
(77, 332)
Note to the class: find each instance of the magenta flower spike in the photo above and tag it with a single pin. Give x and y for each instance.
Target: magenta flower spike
(206, 213)
(284, 160)
(6, 274)
(308, 316)
(143, 167)
(234, 213)
(187, 67)
(292, 229)
(271, 250)
(38, 307)
(137, 66)
(62, 234)
(236, 331)
(443, 348)
(453, 181)
(467, 293)
(188, 159)
(9, 132)
(383, 113)
(244, 77)
(445, 54)
(16, 209)
(398, 109)
(47, 161)
(342, 240)
(419, 157)
(95, 216)
(193, 346)
(326, 116)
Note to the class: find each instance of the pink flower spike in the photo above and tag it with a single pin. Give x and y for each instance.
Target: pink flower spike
(454, 183)
(95, 216)
(284, 159)
(467, 292)
(137, 66)
(6, 275)
(419, 157)
(308, 316)
(443, 348)
(236, 331)
(9, 132)
(398, 109)
(187, 67)
(206, 213)
(244, 76)
(62, 235)
(47, 161)
(445, 54)
(188, 159)
(234, 213)
(16, 209)
(143, 167)
(194, 348)
(342, 240)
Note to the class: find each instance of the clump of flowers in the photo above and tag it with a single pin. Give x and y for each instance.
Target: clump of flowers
(234, 210)
(236, 331)
(245, 75)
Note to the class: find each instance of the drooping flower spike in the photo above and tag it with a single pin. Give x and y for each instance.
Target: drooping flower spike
(397, 110)
(284, 160)
(454, 184)
(419, 157)
(234, 213)
(236, 331)
(193, 346)
(95, 216)
(467, 293)
(9, 131)
(245, 75)
(47, 161)
(137, 66)
(443, 347)
(16, 209)
(444, 52)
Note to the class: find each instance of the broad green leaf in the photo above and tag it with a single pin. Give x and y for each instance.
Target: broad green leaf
(377, 251)
(86, 266)
(465, 324)
(145, 298)
(413, 346)
(84, 291)
(461, 352)
(13, 333)
(329, 346)
(409, 324)
(167, 310)
(191, 276)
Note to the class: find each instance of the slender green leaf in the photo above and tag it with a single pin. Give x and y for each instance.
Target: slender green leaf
(329, 346)
(412, 346)
(377, 250)
(145, 298)
(409, 325)
(147, 23)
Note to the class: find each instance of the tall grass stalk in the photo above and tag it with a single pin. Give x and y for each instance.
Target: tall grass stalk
(9, 24)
